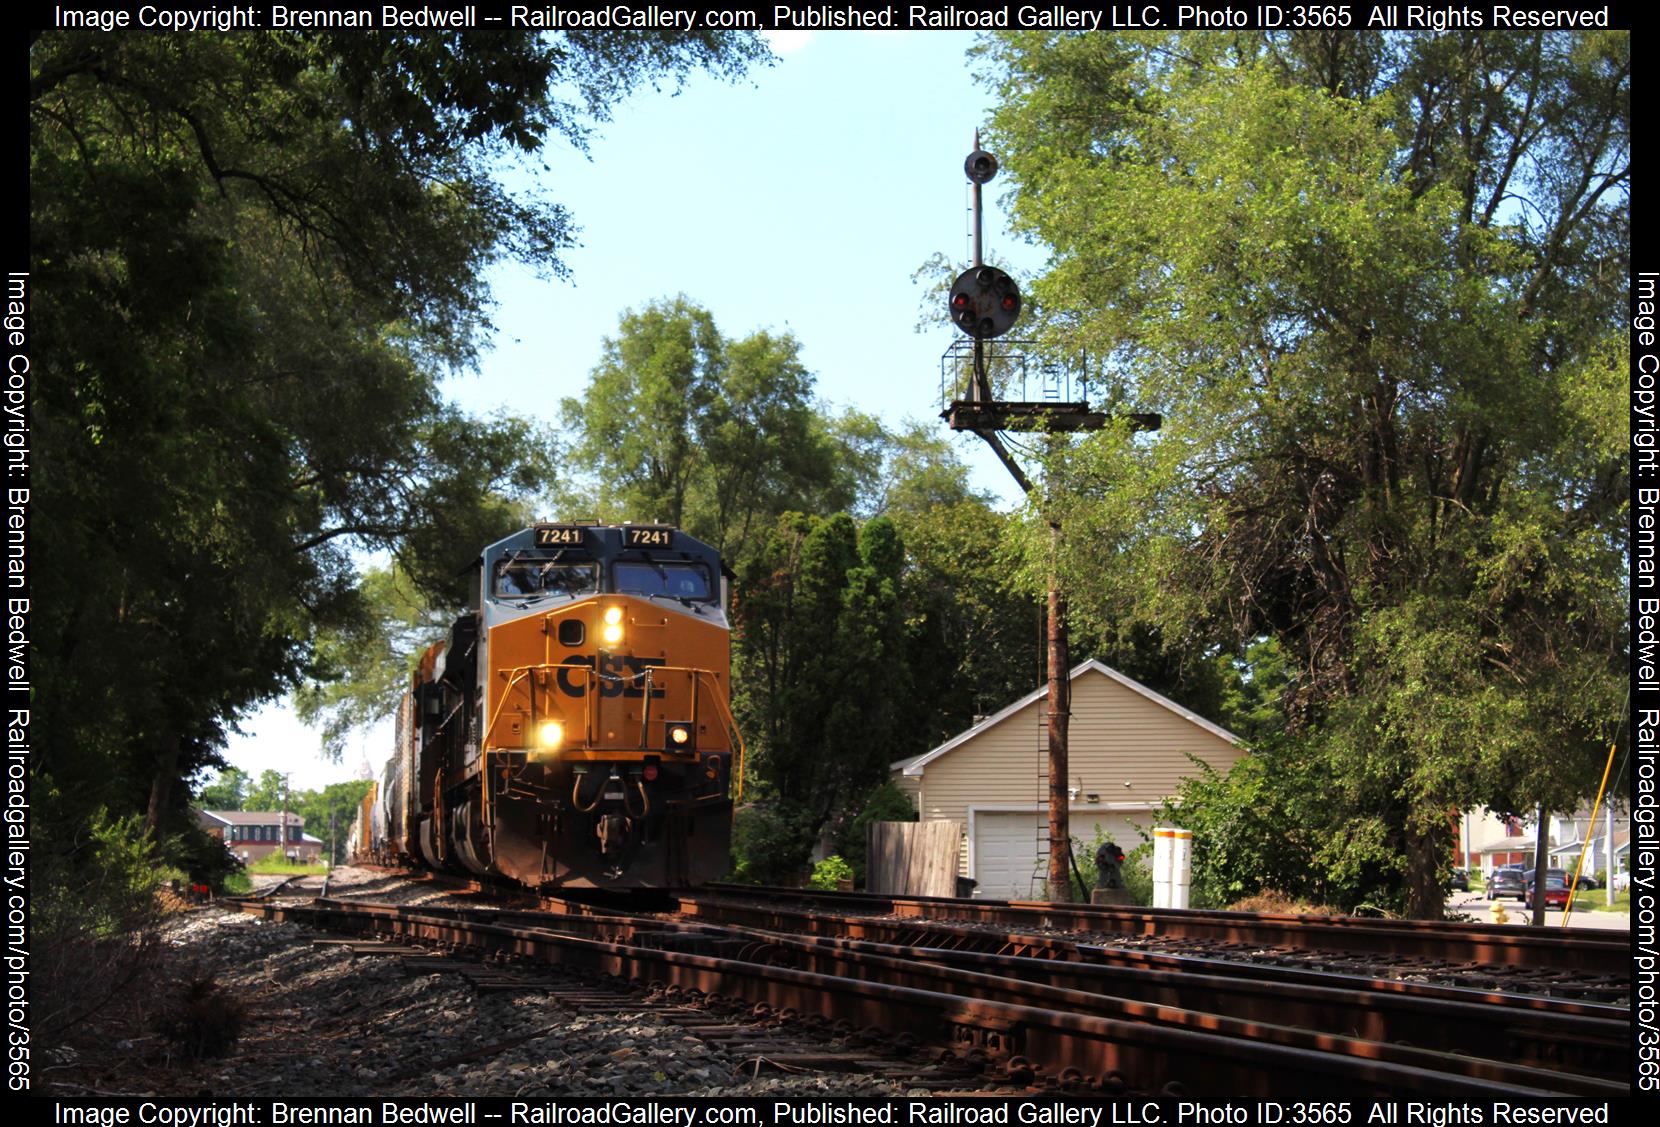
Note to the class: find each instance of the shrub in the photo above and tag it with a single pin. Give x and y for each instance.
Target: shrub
(1137, 869)
(764, 843)
(828, 874)
(201, 1019)
(887, 803)
(93, 914)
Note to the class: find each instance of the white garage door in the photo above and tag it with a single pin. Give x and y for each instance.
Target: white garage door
(1006, 855)
(1010, 848)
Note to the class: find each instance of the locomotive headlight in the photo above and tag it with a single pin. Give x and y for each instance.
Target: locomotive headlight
(550, 735)
(613, 616)
(611, 634)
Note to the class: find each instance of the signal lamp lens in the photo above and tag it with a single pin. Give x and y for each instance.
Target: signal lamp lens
(613, 615)
(611, 634)
(550, 735)
(1010, 302)
(959, 301)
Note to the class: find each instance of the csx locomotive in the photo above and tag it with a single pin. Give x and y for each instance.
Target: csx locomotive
(574, 729)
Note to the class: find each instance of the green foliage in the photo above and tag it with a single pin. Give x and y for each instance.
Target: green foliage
(768, 847)
(328, 814)
(716, 436)
(228, 791)
(200, 856)
(1384, 383)
(971, 636)
(1136, 869)
(362, 667)
(818, 661)
(887, 803)
(273, 865)
(220, 226)
(92, 910)
(828, 874)
(270, 792)
(1274, 822)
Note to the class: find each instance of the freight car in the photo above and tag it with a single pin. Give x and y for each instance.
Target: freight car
(574, 729)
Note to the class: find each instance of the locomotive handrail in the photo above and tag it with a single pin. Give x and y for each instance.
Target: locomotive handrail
(723, 712)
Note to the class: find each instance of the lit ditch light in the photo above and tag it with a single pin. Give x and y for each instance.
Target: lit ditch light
(677, 736)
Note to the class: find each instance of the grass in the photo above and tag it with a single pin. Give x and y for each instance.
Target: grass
(279, 866)
(1592, 901)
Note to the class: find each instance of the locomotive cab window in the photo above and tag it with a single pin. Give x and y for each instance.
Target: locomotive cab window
(674, 580)
(526, 575)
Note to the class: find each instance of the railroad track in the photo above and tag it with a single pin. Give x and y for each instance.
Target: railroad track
(1572, 971)
(1538, 1032)
(1592, 951)
(760, 1039)
(1030, 1027)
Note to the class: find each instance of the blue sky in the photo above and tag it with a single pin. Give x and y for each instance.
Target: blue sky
(801, 198)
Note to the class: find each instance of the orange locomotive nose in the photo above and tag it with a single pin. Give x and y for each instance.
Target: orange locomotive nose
(576, 728)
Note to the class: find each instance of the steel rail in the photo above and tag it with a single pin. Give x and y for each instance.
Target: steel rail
(1594, 1041)
(1583, 949)
(1172, 1059)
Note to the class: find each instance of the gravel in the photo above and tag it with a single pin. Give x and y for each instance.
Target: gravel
(319, 1022)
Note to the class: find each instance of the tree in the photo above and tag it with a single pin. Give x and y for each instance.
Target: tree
(972, 637)
(228, 791)
(269, 792)
(818, 648)
(638, 419)
(716, 436)
(223, 229)
(1373, 283)
(329, 814)
(362, 667)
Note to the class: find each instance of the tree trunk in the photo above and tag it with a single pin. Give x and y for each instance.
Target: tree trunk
(1425, 899)
(1541, 861)
(161, 787)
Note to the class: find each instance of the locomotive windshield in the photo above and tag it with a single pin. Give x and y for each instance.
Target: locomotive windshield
(529, 574)
(649, 577)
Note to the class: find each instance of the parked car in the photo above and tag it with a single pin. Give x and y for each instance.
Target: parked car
(1458, 881)
(1556, 892)
(1507, 881)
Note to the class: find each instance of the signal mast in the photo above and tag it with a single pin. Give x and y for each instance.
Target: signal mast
(984, 302)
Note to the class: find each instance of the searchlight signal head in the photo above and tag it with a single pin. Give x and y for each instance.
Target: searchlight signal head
(984, 302)
(980, 166)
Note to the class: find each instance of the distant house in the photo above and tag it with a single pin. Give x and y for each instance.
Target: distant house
(1511, 841)
(253, 834)
(1128, 750)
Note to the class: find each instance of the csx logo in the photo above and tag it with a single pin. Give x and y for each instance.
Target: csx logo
(618, 676)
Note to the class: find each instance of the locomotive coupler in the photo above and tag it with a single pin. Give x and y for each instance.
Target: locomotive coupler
(613, 833)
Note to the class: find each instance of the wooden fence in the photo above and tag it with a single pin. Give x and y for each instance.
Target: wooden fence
(913, 858)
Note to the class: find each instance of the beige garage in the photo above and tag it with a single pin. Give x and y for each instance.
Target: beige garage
(1129, 749)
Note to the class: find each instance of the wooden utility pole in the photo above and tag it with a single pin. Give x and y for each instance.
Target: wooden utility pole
(1060, 713)
(282, 825)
